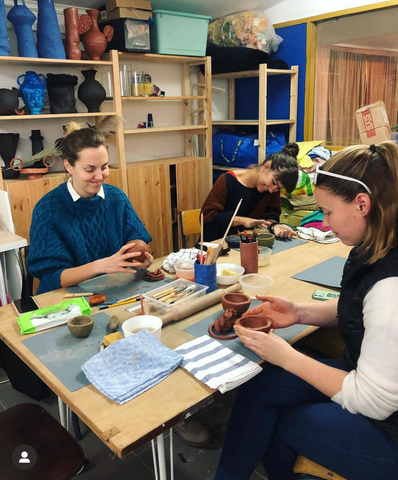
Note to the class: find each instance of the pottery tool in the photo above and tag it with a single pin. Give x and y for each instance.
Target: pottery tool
(96, 299)
(75, 295)
(133, 297)
(211, 255)
(122, 303)
(201, 239)
(189, 308)
(219, 248)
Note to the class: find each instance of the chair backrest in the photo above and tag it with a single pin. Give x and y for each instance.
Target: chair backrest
(190, 224)
(27, 279)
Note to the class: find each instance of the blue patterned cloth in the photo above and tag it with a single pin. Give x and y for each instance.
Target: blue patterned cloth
(131, 366)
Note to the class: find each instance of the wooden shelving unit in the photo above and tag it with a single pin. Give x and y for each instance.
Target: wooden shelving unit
(262, 122)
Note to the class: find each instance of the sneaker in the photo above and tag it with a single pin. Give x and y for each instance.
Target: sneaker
(193, 433)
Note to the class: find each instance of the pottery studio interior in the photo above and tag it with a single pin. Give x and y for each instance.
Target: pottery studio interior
(198, 225)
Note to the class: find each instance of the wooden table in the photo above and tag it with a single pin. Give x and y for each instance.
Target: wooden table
(125, 427)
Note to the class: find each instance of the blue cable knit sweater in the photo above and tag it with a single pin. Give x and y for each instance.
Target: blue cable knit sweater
(66, 234)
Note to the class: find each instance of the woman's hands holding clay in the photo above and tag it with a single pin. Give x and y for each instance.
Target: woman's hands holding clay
(281, 311)
(122, 261)
(141, 265)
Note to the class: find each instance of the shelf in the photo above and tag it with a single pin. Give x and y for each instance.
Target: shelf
(165, 161)
(159, 99)
(56, 115)
(252, 122)
(152, 57)
(178, 128)
(253, 73)
(53, 61)
(228, 169)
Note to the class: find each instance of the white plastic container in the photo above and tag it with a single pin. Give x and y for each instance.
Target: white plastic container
(254, 284)
(264, 256)
(158, 308)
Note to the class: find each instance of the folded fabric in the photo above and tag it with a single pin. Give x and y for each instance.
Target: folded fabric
(173, 258)
(316, 235)
(131, 366)
(215, 365)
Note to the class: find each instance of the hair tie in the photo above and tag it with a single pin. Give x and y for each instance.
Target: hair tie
(373, 148)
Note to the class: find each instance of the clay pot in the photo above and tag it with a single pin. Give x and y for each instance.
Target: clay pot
(81, 326)
(91, 92)
(249, 256)
(61, 91)
(140, 246)
(238, 301)
(93, 40)
(72, 37)
(258, 323)
(266, 239)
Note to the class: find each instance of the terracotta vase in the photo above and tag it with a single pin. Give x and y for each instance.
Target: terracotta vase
(238, 301)
(93, 39)
(72, 37)
(258, 323)
(91, 92)
(249, 256)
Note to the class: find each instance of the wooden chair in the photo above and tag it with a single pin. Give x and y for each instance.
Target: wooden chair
(310, 470)
(56, 453)
(190, 224)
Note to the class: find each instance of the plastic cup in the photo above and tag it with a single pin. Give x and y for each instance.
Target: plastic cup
(143, 322)
(185, 269)
(206, 275)
(264, 256)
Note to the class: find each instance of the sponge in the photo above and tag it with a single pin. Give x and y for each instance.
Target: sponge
(112, 338)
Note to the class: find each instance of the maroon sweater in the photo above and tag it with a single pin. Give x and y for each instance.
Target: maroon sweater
(223, 199)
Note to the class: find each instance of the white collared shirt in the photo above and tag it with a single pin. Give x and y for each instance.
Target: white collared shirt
(75, 196)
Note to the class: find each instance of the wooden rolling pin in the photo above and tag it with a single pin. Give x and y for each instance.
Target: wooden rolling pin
(189, 308)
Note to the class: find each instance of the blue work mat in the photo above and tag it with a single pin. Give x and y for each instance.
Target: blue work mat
(119, 285)
(282, 244)
(64, 354)
(201, 328)
(328, 273)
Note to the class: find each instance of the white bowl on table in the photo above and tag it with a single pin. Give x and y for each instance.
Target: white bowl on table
(229, 279)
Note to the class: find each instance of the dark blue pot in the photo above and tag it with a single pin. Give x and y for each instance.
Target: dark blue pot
(49, 40)
(4, 43)
(23, 19)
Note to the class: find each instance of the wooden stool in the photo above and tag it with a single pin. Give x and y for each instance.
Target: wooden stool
(59, 456)
(313, 471)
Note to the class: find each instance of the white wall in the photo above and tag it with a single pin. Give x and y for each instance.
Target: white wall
(290, 10)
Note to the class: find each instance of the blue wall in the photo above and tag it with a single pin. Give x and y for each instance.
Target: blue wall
(293, 51)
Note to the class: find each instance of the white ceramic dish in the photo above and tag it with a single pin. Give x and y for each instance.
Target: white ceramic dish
(254, 284)
(229, 279)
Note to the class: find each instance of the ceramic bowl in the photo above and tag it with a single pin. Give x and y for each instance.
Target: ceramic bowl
(258, 323)
(266, 239)
(229, 279)
(254, 284)
(81, 326)
(239, 301)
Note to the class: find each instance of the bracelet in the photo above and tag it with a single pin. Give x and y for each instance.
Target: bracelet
(272, 226)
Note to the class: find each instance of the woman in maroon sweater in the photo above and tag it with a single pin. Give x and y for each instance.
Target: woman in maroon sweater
(258, 186)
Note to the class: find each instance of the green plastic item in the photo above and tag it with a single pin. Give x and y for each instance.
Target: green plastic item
(177, 33)
(32, 322)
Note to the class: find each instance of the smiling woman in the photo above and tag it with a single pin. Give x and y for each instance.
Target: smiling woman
(83, 227)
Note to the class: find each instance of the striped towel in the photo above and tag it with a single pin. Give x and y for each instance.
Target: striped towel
(215, 365)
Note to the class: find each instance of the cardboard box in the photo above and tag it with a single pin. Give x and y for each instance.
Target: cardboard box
(373, 123)
(140, 4)
(123, 12)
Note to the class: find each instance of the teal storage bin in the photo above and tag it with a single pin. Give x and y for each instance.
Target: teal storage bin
(176, 33)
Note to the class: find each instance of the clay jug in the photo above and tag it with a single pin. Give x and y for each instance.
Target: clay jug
(33, 89)
(8, 101)
(91, 92)
(72, 37)
(93, 40)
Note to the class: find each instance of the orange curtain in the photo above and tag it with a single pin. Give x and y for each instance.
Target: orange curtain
(321, 110)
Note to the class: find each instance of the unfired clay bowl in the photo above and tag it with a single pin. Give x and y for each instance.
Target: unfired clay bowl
(266, 239)
(140, 246)
(255, 322)
(81, 326)
(239, 301)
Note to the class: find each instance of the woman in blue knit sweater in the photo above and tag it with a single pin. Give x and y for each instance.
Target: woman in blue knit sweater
(81, 228)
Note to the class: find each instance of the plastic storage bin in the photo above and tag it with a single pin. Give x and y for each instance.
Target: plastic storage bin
(176, 33)
(157, 307)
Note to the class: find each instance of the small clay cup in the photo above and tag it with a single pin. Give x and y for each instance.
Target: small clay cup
(140, 246)
(239, 301)
(81, 326)
(266, 239)
(255, 322)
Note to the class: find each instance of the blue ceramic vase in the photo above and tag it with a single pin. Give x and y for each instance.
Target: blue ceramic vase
(4, 43)
(23, 19)
(49, 40)
(33, 89)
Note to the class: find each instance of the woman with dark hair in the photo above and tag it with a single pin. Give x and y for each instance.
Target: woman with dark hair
(342, 414)
(258, 186)
(81, 228)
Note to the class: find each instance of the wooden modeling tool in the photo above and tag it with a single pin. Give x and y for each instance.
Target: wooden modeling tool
(219, 248)
(201, 239)
(76, 295)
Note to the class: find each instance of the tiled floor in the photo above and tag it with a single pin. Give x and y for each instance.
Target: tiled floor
(189, 463)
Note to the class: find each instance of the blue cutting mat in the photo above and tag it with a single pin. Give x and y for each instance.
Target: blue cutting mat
(328, 273)
(119, 285)
(201, 328)
(282, 244)
(63, 354)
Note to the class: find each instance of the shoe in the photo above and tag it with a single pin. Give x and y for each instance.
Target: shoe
(193, 433)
